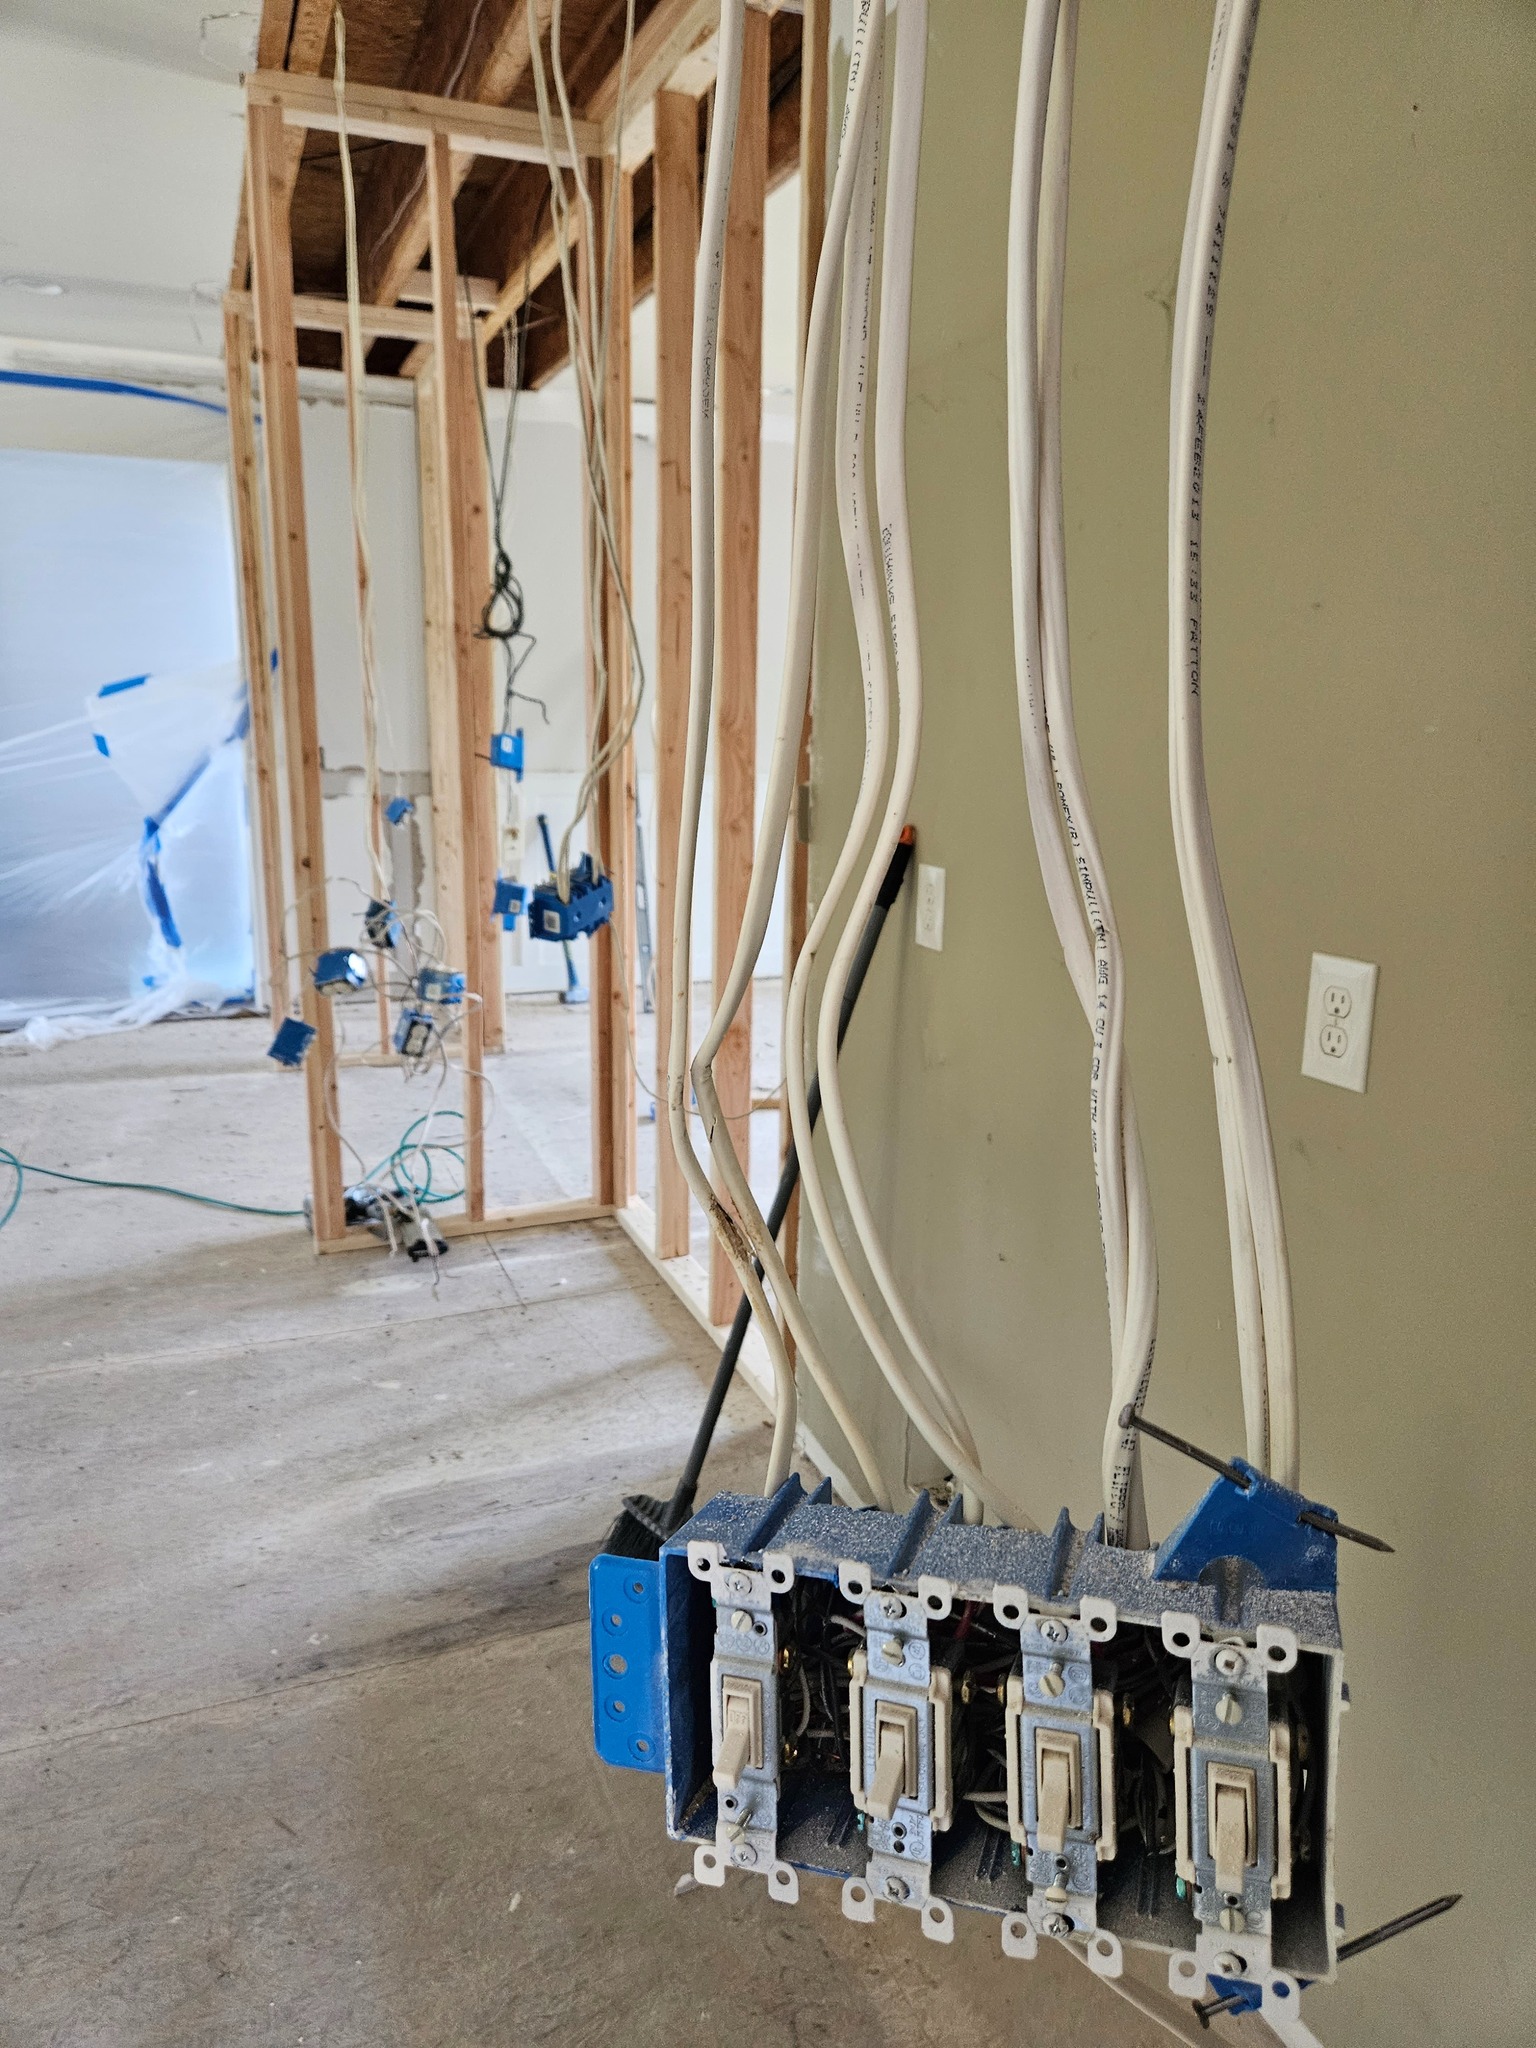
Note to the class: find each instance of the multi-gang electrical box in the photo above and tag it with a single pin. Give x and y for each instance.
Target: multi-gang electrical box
(1103, 1745)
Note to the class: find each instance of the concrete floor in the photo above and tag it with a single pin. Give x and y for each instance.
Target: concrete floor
(294, 1713)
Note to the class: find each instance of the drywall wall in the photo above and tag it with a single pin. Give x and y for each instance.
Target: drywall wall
(1369, 624)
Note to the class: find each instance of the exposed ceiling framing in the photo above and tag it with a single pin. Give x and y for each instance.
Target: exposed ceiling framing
(479, 50)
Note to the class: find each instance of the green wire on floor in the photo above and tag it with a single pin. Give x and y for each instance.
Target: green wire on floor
(416, 1185)
(22, 1167)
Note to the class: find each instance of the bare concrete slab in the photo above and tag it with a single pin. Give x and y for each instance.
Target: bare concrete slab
(294, 1714)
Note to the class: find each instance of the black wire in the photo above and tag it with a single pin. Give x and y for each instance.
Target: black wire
(505, 613)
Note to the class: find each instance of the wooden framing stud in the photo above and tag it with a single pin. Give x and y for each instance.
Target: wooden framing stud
(245, 489)
(740, 487)
(676, 191)
(272, 274)
(461, 485)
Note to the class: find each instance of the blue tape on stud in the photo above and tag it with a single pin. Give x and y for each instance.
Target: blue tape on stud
(628, 1682)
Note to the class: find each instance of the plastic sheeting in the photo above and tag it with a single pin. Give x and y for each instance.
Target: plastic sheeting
(124, 844)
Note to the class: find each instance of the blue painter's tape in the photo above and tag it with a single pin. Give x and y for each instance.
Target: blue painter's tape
(628, 1680)
(117, 689)
(154, 889)
(111, 385)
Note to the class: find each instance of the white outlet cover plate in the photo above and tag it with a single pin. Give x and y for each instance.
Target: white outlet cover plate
(929, 925)
(1341, 1003)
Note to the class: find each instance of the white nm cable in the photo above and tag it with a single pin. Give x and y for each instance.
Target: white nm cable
(935, 1413)
(810, 462)
(706, 330)
(1261, 1271)
(898, 589)
(1066, 841)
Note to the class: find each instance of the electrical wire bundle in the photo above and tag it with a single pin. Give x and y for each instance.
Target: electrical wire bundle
(884, 602)
(1261, 1280)
(1066, 843)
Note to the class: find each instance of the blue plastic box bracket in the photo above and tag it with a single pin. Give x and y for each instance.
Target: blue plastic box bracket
(628, 1682)
(293, 1040)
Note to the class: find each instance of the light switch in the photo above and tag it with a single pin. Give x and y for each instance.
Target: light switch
(930, 908)
(1341, 1001)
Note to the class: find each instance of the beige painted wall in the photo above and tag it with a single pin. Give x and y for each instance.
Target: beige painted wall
(1369, 626)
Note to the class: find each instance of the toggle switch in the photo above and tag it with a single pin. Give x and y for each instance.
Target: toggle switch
(1232, 1823)
(895, 1758)
(1058, 1787)
(741, 1731)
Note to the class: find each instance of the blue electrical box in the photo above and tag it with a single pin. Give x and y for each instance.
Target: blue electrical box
(507, 751)
(414, 1034)
(438, 985)
(341, 968)
(508, 901)
(588, 908)
(381, 925)
(293, 1040)
(1092, 1743)
(628, 1675)
(398, 809)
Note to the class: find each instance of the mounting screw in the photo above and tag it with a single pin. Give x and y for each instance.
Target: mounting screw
(1228, 1661)
(746, 1855)
(1054, 1631)
(1053, 1681)
(896, 1889)
(1056, 1924)
(892, 1608)
(1229, 1708)
(739, 1584)
(1230, 1964)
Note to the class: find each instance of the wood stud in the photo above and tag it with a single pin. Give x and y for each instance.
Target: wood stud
(740, 442)
(272, 273)
(676, 188)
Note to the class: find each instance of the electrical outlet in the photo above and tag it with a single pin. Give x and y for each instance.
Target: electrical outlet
(930, 908)
(1341, 1002)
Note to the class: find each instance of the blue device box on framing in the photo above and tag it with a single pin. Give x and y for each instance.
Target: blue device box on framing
(1241, 1561)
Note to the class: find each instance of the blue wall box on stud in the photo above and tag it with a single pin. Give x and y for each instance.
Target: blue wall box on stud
(398, 809)
(438, 985)
(341, 968)
(293, 1040)
(381, 924)
(414, 1034)
(628, 1676)
(589, 907)
(507, 751)
(508, 901)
